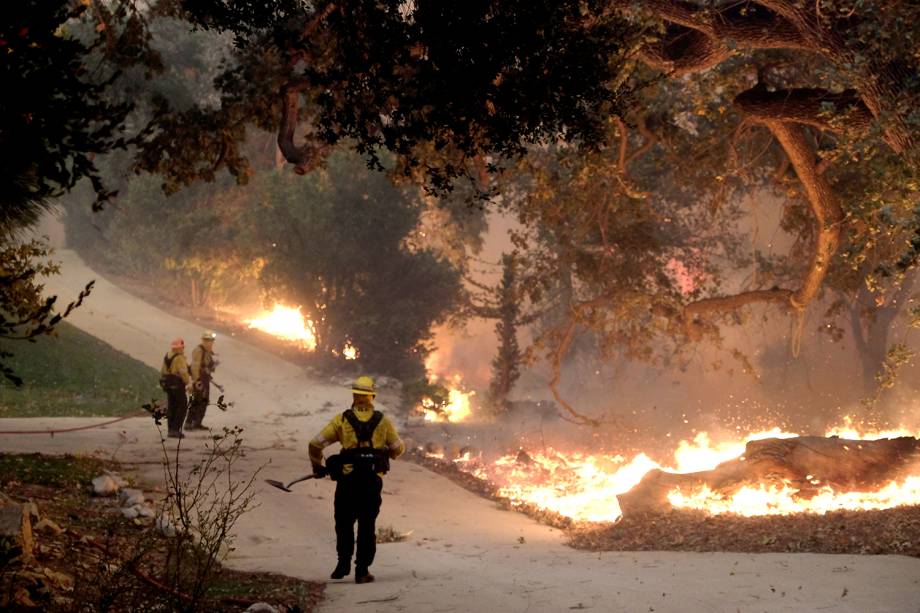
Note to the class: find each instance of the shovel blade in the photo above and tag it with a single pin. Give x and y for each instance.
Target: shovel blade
(277, 484)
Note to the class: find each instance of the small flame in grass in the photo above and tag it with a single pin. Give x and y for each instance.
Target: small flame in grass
(287, 323)
(350, 352)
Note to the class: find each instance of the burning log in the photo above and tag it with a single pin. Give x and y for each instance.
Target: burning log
(804, 463)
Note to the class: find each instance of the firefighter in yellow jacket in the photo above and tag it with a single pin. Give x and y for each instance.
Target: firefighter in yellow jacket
(202, 367)
(368, 441)
(175, 380)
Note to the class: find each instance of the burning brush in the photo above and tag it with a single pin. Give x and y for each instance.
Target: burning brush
(772, 473)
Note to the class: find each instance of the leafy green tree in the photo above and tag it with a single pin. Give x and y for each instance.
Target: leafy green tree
(25, 314)
(506, 365)
(335, 242)
(467, 80)
(694, 106)
(185, 244)
(724, 97)
(61, 61)
(57, 113)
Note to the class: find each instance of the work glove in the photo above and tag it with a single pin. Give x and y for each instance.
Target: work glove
(320, 471)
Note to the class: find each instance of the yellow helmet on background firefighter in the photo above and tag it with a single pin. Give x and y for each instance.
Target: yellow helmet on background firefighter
(208, 335)
(364, 386)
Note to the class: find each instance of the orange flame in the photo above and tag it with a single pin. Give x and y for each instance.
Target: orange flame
(584, 487)
(456, 409)
(350, 352)
(287, 323)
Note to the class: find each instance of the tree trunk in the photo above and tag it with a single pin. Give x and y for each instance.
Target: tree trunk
(194, 288)
(871, 327)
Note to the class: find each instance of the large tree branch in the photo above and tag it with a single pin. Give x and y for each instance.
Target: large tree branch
(784, 122)
(824, 206)
(719, 305)
(685, 53)
(708, 37)
(800, 16)
(701, 38)
(556, 365)
(623, 161)
(566, 335)
(307, 156)
(648, 143)
(819, 108)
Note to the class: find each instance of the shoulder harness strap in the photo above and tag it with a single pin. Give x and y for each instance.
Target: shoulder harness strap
(364, 430)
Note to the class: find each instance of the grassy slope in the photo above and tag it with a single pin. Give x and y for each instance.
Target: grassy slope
(75, 374)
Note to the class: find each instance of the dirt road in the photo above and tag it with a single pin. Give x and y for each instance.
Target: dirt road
(464, 554)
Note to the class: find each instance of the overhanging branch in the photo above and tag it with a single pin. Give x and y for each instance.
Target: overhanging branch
(309, 155)
(819, 108)
(693, 312)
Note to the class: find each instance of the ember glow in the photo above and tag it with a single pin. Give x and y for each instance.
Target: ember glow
(456, 409)
(287, 323)
(458, 406)
(585, 487)
(773, 500)
(349, 351)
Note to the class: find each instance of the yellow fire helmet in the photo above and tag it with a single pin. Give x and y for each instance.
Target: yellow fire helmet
(364, 386)
(208, 335)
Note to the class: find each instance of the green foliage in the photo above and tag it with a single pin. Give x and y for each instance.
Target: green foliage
(57, 112)
(335, 242)
(56, 471)
(74, 374)
(344, 243)
(203, 503)
(470, 79)
(506, 365)
(619, 243)
(898, 356)
(25, 314)
(621, 239)
(186, 244)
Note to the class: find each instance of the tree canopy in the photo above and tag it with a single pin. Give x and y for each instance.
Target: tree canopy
(639, 131)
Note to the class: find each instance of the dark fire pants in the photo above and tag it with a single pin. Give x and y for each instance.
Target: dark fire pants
(176, 408)
(357, 498)
(199, 403)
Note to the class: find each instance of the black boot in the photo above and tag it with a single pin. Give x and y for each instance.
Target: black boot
(342, 569)
(362, 575)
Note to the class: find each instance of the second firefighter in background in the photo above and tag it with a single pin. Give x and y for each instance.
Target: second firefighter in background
(175, 381)
(368, 441)
(202, 367)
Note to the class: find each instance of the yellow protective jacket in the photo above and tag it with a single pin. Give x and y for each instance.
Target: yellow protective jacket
(178, 366)
(202, 361)
(340, 431)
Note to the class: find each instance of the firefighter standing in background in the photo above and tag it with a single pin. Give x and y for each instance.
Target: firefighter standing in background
(175, 379)
(368, 441)
(203, 364)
